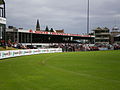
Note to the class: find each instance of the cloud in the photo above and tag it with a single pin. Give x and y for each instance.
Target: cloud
(62, 14)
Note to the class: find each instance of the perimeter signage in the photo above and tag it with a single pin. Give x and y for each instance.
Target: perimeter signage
(15, 53)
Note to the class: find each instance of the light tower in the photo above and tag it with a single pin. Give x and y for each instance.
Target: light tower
(88, 16)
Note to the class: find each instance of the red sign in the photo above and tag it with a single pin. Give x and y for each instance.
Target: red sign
(54, 33)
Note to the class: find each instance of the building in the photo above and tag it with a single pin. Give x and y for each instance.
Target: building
(2, 20)
(102, 35)
(115, 35)
(31, 36)
(36, 36)
(60, 31)
(39, 36)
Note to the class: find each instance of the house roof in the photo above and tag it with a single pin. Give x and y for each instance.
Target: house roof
(99, 29)
(105, 28)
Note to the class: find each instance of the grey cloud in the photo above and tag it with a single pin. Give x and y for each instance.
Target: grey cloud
(62, 14)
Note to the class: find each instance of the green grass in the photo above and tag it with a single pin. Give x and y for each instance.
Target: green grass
(99, 70)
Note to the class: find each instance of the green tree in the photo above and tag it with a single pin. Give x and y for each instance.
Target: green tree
(47, 29)
(51, 30)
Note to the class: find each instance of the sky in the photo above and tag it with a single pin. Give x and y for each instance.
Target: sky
(69, 15)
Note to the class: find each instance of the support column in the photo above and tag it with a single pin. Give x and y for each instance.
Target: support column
(31, 38)
(17, 37)
(21, 38)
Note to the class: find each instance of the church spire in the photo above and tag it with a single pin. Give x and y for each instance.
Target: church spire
(37, 25)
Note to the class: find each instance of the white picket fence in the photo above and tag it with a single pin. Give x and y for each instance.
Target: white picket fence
(15, 53)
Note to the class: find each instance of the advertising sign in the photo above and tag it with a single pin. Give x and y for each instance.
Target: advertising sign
(15, 53)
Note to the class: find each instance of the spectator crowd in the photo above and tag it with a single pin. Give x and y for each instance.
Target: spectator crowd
(66, 47)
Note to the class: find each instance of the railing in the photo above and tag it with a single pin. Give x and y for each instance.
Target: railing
(102, 33)
(102, 38)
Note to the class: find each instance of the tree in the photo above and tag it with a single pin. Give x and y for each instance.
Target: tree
(51, 30)
(47, 29)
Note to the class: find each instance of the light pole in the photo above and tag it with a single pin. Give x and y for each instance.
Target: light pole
(88, 16)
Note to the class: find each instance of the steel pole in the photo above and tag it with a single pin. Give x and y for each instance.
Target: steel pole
(88, 16)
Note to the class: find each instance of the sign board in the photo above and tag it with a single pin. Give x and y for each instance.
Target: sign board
(15, 53)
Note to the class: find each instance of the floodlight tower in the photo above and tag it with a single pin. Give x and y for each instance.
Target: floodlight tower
(88, 16)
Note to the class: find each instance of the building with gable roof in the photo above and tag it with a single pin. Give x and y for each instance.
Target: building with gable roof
(102, 35)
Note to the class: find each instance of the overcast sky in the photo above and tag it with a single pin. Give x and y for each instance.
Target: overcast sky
(69, 15)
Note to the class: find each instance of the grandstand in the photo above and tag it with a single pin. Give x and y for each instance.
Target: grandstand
(32, 37)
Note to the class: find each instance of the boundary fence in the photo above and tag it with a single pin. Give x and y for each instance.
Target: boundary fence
(15, 53)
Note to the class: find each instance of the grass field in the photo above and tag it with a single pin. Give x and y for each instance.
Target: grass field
(99, 70)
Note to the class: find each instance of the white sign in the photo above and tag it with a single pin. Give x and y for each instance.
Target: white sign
(15, 53)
